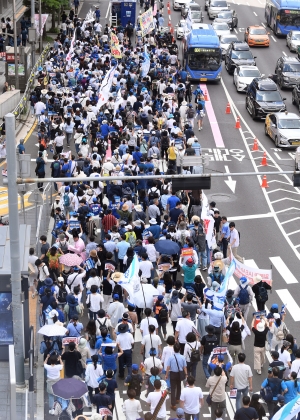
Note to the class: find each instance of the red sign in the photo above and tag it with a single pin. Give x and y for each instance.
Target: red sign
(187, 252)
(10, 58)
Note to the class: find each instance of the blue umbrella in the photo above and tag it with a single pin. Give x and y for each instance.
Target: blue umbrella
(167, 247)
(69, 388)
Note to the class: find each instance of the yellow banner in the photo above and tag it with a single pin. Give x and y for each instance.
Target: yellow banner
(116, 52)
(114, 39)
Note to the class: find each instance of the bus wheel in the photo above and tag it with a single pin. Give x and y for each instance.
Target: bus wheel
(275, 31)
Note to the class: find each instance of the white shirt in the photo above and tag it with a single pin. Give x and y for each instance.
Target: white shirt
(78, 280)
(115, 311)
(188, 349)
(296, 367)
(53, 371)
(92, 374)
(149, 363)
(125, 340)
(144, 327)
(151, 251)
(95, 300)
(150, 341)
(234, 235)
(184, 326)
(285, 357)
(44, 272)
(153, 399)
(93, 281)
(132, 408)
(166, 354)
(191, 397)
(39, 107)
(145, 267)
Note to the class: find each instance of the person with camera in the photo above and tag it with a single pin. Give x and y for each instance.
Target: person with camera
(53, 365)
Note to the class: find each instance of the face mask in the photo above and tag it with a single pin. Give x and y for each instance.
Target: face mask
(41, 242)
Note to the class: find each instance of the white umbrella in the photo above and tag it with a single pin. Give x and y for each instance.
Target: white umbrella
(52, 330)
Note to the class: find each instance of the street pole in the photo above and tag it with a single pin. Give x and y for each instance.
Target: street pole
(40, 24)
(15, 45)
(33, 26)
(15, 258)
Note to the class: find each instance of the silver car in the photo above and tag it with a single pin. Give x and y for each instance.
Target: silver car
(284, 129)
(225, 41)
(293, 40)
(215, 7)
(221, 28)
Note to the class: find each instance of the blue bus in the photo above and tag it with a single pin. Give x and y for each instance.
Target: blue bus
(283, 16)
(202, 54)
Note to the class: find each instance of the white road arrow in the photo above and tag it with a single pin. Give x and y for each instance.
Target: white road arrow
(230, 182)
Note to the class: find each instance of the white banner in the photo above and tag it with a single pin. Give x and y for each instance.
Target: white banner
(250, 272)
(104, 91)
(118, 102)
(37, 23)
(208, 221)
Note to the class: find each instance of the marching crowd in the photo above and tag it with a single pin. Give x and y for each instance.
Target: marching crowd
(101, 228)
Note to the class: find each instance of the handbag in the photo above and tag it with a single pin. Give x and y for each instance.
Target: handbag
(181, 372)
(208, 398)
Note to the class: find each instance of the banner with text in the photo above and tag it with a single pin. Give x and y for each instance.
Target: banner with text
(146, 22)
(37, 23)
(250, 272)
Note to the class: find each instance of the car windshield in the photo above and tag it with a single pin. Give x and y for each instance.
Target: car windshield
(242, 55)
(290, 17)
(289, 124)
(296, 37)
(268, 96)
(196, 15)
(210, 59)
(218, 4)
(228, 40)
(250, 73)
(292, 67)
(220, 26)
(257, 31)
(225, 15)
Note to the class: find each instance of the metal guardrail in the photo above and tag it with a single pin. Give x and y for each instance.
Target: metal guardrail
(22, 104)
(31, 379)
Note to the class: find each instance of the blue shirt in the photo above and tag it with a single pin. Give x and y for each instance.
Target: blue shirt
(110, 246)
(21, 149)
(109, 361)
(155, 230)
(292, 390)
(172, 201)
(226, 230)
(173, 364)
(122, 249)
(100, 341)
(267, 383)
(216, 318)
(75, 331)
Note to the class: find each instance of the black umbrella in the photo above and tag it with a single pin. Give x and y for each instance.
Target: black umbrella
(166, 246)
(69, 388)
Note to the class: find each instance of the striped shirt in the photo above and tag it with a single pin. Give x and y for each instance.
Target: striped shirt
(108, 222)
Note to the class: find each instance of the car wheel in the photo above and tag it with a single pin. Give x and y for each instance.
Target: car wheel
(280, 84)
(253, 113)
(276, 141)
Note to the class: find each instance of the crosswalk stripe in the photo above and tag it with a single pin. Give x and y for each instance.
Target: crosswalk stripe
(292, 305)
(283, 270)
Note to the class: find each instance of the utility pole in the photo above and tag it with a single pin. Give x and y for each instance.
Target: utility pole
(33, 26)
(15, 45)
(40, 24)
(15, 258)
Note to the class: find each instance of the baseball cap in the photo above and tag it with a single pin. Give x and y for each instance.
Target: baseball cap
(180, 412)
(135, 367)
(116, 296)
(275, 354)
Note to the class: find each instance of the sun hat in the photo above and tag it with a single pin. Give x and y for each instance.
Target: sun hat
(138, 207)
(122, 328)
(153, 221)
(117, 276)
(82, 343)
(128, 227)
(48, 281)
(125, 207)
(260, 327)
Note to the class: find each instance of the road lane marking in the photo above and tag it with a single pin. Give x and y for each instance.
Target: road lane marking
(273, 38)
(283, 270)
(213, 120)
(235, 30)
(293, 233)
(251, 216)
(263, 24)
(255, 13)
(292, 306)
(284, 53)
(108, 9)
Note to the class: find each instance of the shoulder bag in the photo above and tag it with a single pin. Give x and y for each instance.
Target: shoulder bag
(181, 372)
(208, 398)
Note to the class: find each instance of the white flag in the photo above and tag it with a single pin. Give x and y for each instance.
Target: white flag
(105, 88)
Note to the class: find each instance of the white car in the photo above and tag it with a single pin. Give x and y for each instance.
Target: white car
(225, 41)
(284, 129)
(293, 40)
(215, 7)
(180, 29)
(221, 28)
(179, 4)
(243, 76)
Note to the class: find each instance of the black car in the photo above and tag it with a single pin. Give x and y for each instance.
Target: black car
(288, 72)
(228, 16)
(263, 97)
(238, 54)
(296, 96)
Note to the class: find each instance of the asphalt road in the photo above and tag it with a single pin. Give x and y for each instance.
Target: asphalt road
(266, 218)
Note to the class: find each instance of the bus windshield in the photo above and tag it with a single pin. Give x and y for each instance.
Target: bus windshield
(204, 58)
(290, 17)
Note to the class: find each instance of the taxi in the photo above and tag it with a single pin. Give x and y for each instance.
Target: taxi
(257, 36)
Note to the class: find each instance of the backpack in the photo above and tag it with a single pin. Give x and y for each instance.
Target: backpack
(182, 238)
(211, 341)
(117, 290)
(153, 194)
(62, 295)
(181, 94)
(272, 389)
(131, 240)
(126, 191)
(92, 341)
(64, 247)
(262, 294)
(280, 333)
(190, 113)
(135, 383)
(244, 296)
(195, 354)
(199, 238)
(102, 326)
(195, 211)
(162, 314)
(66, 200)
